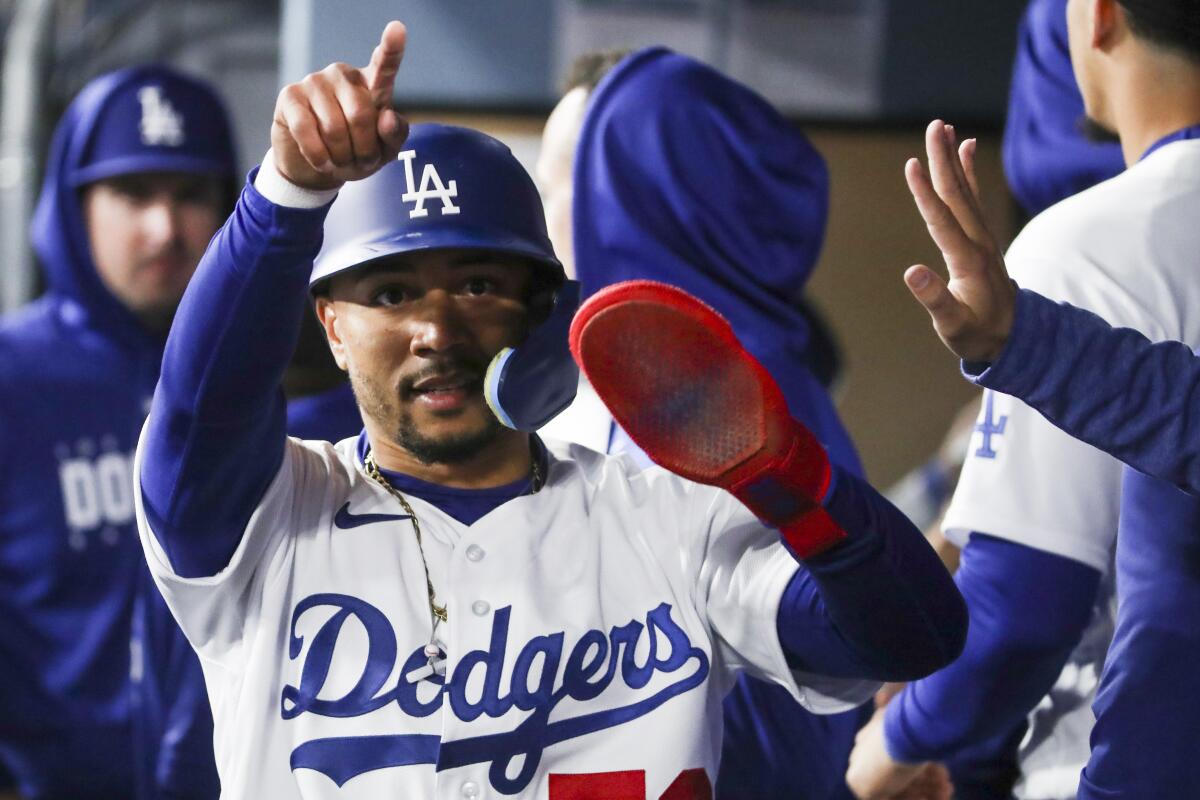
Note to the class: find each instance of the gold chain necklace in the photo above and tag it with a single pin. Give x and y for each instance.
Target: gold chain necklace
(439, 612)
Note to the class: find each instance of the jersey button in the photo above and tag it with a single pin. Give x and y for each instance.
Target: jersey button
(480, 608)
(470, 789)
(475, 553)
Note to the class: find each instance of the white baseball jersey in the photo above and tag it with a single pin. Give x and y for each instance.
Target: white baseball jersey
(1127, 250)
(594, 628)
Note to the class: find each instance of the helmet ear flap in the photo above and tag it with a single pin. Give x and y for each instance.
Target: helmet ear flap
(543, 291)
(529, 385)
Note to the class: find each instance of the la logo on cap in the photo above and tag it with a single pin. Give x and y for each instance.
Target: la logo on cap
(431, 187)
(161, 124)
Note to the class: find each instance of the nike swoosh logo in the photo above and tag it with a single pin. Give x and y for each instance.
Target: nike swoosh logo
(345, 520)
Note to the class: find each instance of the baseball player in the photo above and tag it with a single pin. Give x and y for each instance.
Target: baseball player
(442, 607)
(1050, 153)
(102, 697)
(1123, 249)
(631, 127)
(1080, 359)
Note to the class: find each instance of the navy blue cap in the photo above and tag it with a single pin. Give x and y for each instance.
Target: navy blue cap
(155, 119)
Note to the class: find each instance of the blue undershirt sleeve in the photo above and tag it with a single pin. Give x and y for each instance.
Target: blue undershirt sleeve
(879, 605)
(215, 436)
(1028, 611)
(1110, 387)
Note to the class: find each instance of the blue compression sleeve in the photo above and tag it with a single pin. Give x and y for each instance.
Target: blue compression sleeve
(1028, 612)
(1109, 387)
(880, 605)
(215, 436)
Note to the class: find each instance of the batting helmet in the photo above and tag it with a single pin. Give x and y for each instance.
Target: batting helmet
(454, 187)
(450, 187)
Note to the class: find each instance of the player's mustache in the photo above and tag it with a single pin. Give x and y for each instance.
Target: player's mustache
(175, 251)
(468, 370)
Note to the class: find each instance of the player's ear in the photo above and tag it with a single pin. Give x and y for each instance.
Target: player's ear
(327, 316)
(1104, 17)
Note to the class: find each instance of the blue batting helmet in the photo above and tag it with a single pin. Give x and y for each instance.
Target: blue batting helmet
(450, 187)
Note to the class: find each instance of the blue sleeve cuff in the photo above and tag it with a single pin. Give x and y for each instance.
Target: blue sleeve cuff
(301, 225)
(1019, 364)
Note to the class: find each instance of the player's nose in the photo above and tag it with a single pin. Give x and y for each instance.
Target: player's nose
(160, 221)
(436, 324)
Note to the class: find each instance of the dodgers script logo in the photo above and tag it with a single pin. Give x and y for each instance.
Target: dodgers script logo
(545, 672)
(161, 124)
(431, 188)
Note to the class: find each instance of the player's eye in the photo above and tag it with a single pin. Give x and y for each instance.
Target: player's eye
(390, 296)
(200, 191)
(480, 286)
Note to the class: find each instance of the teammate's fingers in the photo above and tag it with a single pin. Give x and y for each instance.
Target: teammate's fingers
(360, 113)
(974, 225)
(331, 122)
(955, 163)
(932, 292)
(949, 182)
(966, 156)
(296, 115)
(947, 234)
(380, 73)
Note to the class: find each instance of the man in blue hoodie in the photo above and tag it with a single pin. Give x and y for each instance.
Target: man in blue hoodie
(102, 698)
(655, 166)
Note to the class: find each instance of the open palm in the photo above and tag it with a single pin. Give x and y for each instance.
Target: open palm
(972, 312)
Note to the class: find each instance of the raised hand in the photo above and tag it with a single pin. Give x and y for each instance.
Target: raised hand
(338, 124)
(973, 311)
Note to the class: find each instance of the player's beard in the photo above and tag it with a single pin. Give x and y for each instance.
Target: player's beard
(1093, 131)
(383, 405)
(448, 449)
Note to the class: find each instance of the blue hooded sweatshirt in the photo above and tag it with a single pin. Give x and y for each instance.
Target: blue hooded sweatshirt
(687, 177)
(1047, 158)
(82, 718)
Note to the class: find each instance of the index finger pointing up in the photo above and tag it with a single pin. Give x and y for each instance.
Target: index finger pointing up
(380, 74)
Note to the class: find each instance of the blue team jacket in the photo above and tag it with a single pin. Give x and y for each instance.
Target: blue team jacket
(77, 372)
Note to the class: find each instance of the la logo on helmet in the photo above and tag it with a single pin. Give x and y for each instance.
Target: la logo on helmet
(161, 124)
(431, 187)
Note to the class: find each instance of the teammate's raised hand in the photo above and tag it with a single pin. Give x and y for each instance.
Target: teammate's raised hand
(338, 124)
(973, 311)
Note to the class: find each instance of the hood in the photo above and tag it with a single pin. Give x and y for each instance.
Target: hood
(685, 176)
(141, 119)
(1047, 157)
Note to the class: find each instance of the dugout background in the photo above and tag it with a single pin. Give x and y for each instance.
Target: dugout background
(861, 77)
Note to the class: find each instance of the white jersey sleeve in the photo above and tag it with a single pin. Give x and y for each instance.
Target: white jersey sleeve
(1025, 481)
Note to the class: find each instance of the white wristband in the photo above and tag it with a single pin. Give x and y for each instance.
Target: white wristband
(282, 192)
